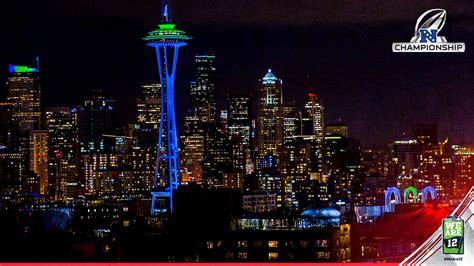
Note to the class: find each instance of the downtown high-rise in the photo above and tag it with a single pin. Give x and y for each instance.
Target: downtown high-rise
(269, 119)
(24, 91)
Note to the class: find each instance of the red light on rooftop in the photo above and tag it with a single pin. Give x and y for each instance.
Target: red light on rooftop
(312, 94)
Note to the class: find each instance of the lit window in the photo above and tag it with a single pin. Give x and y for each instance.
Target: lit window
(242, 255)
(272, 255)
(272, 244)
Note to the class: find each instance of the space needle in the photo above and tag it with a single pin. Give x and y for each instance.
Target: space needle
(166, 40)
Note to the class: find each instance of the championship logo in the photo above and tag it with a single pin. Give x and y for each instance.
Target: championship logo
(453, 235)
(427, 38)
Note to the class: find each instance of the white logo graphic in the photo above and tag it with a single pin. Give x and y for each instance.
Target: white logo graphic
(427, 38)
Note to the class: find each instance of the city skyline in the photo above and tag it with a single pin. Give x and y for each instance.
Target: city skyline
(292, 138)
(325, 61)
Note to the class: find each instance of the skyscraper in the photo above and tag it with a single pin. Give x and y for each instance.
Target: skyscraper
(464, 175)
(404, 157)
(142, 157)
(62, 150)
(315, 110)
(166, 40)
(291, 121)
(240, 131)
(94, 118)
(270, 117)
(149, 104)
(24, 90)
(217, 158)
(40, 159)
(203, 99)
(200, 121)
(12, 170)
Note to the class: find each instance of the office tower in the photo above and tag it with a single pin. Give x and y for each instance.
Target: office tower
(217, 158)
(291, 121)
(437, 168)
(201, 119)
(96, 169)
(203, 99)
(343, 166)
(40, 159)
(404, 162)
(62, 150)
(94, 118)
(296, 161)
(24, 90)
(240, 131)
(167, 40)
(315, 111)
(12, 170)
(337, 129)
(202, 90)
(194, 144)
(142, 157)
(149, 104)
(224, 121)
(270, 117)
(464, 175)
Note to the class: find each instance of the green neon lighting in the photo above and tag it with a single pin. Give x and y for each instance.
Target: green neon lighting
(407, 191)
(22, 69)
(333, 137)
(206, 56)
(166, 32)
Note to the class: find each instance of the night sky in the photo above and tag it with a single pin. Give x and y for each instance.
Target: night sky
(340, 50)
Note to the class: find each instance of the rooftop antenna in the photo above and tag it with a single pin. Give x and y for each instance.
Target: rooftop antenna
(165, 11)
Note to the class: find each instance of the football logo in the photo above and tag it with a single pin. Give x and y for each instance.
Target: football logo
(428, 25)
(427, 38)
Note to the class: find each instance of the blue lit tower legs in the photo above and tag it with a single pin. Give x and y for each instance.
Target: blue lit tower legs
(166, 40)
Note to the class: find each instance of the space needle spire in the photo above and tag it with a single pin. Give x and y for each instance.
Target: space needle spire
(166, 40)
(165, 11)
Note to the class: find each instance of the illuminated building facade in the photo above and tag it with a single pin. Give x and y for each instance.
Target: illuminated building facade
(201, 126)
(404, 159)
(11, 167)
(259, 202)
(193, 154)
(94, 118)
(217, 158)
(95, 164)
(141, 157)
(240, 131)
(203, 99)
(166, 40)
(315, 110)
(40, 159)
(270, 117)
(464, 171)
(296, 167)
(437, 168)
(149, 104)
(291, 121)
(62, 151)
(342, 159)
(24, 91)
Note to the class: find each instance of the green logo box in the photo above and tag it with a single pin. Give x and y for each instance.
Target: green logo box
(453, 235)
